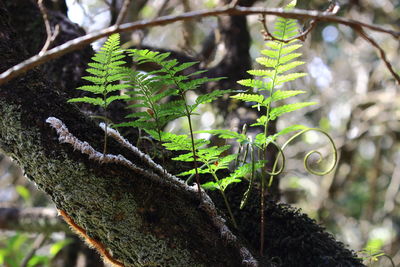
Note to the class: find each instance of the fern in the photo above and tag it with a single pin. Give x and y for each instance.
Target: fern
(170, 75)
(106, 71)
(265, 94)
(148, 95)
(146, 91)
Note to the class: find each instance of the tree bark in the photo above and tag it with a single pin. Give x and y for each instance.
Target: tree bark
(138, 216)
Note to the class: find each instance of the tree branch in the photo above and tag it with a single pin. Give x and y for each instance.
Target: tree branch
(382, 53)
(332, 9)
(229, 10)
(51, 36)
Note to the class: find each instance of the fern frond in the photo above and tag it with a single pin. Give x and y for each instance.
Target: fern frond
(105, 71)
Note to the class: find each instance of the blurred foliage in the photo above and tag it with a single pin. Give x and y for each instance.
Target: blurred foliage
(14, 248)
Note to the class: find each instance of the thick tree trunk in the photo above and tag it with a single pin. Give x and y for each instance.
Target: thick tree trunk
(138, 215)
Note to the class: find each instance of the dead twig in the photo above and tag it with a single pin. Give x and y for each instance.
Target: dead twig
(382, 53)
(51, 36)
(332, 9)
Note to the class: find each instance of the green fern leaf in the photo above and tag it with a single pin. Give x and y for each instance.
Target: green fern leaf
(139, 114)
(193, 171)
(267, 62)
(117, 87)
(289, 57)
(211, 153)
(245, 169)
(207, 98)
(184, 66)
(280, 95)
(185, 157)
(274, 54)
(211, 186)
(91, 88)
(223, 163)
(249, 97)
(90, 100)
(289, 77)
(227, 134)
(251, 83)
(262, 73)
(290, 48)
(112, 98)
(275, 45)
(286, 67)
(261, 121)
(224, 183)
(290, 129)
(278, 111)
(95, 80)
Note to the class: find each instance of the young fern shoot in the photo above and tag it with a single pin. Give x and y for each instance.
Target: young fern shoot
(106, 71)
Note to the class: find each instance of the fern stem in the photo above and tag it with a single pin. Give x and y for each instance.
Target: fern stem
(225, 200)
(263, 175)
(182, 95)
(105, 122)
(251, 182)
(193, 149)
(156, 118)
(105, 138)
(261, 155)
